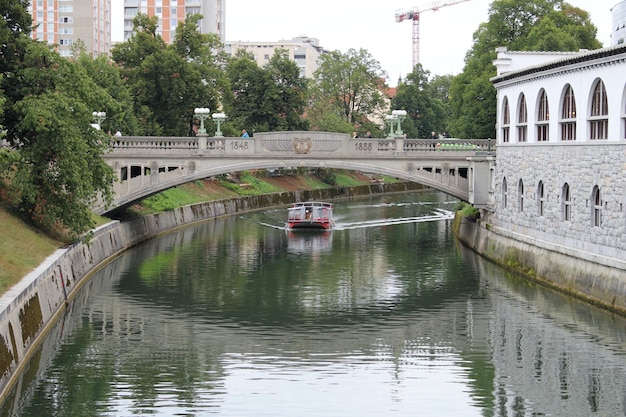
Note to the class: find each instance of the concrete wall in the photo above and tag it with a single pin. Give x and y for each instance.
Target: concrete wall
(29, 310)
(578, 273)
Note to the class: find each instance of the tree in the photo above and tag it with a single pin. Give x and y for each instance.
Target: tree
(521, 25)
(107, 76)
(269, 98)
(422, 102)
(168, 82)
(349, 84)
(60, 171)
(292, 92)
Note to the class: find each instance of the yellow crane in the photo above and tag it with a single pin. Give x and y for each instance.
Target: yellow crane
(414, 15)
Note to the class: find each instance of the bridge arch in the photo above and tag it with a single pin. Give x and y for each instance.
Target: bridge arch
(148, 165)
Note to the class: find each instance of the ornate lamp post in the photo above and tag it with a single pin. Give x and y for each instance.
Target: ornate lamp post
(99, 117)
(400, 116)
(391, 119)
(202, 113)
(219, 118)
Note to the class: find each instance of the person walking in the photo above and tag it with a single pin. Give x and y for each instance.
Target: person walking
(244, 134)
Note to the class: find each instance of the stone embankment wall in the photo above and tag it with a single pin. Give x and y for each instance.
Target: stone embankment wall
(578, 273)
(28, 310)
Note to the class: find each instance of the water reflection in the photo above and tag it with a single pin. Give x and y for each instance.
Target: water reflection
(309, 242)
(236, 318)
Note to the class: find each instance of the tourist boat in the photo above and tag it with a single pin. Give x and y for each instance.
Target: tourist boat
(311, 215)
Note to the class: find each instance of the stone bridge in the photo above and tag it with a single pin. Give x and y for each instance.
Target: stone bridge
(148, 165)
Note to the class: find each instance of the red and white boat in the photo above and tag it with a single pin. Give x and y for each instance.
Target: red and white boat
(310, 215)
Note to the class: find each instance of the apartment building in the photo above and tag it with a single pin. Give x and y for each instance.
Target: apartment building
(172, 12)
(618, 14)
(63, 22)
(302, 50)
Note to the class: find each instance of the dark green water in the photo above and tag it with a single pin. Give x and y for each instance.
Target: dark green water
(384, 316)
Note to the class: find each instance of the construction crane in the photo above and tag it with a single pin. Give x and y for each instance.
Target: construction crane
(414, 15)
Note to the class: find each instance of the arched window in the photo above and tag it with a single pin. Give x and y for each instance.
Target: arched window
(624, 114)
(568, 115)
(504, 193)
(541, 199)
(522, 119)
(596, 207)
(506, 120)
(543, 117)
(520, 196)
(598, 115)
(566, 207)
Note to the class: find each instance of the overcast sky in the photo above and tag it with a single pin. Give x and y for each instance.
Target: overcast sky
(445, 35)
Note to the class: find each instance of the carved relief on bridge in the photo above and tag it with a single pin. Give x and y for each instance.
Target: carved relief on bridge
(302, 145)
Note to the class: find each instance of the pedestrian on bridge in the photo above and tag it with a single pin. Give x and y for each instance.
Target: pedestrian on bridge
(244, 134)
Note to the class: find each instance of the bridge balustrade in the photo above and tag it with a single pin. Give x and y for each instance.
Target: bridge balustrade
(147, 165)
(302, 145)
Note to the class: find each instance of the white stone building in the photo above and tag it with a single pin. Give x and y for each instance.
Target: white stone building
(560, 173)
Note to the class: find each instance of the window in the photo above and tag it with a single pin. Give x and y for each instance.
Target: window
(568, 115)
(543, 118)
(520, 196)
(598, 117)
(566, 208)
(624, 116)
(596, 207)
(541, 199)
(504, 193)
(506, 120)
(522, 120)
(65, 19)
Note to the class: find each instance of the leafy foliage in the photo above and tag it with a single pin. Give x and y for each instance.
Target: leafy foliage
(521, 25)
(266, 99)
(348, 86)
(60, 171)
(423, 104)
(168, 81)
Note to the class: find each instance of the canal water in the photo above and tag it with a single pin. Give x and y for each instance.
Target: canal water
(385, 316)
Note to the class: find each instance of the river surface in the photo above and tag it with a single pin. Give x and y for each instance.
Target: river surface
(385, 316)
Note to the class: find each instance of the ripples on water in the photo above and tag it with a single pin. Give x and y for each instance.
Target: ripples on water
(386, 315)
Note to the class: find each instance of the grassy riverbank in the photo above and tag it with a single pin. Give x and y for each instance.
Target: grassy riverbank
(23, 248)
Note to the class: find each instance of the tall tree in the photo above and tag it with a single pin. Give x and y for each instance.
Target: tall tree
(422, 103)
(107, 76)
(349, 84)
(292, 92)
(521, 25)
(168, 82)
(60, 171)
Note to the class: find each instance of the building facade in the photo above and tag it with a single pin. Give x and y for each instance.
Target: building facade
(64, 22)
(302, 50)
(172, 12)
(618, 17)
(559, 181)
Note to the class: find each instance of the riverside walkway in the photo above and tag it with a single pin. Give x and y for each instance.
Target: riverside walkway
(148, 165)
